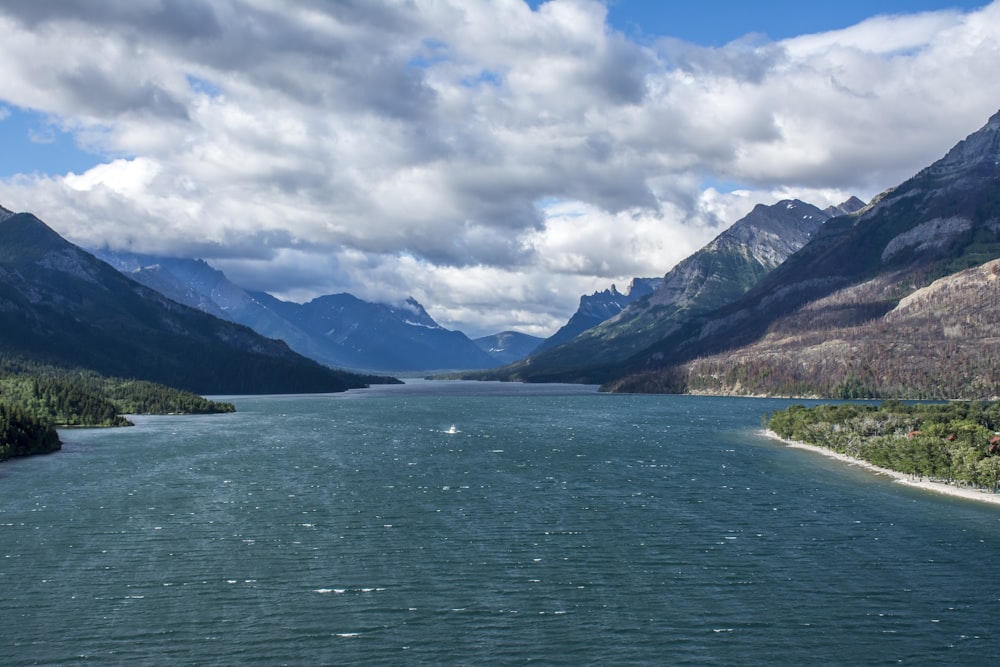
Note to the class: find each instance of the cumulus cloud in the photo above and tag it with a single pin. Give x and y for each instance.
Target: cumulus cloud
(491, 160)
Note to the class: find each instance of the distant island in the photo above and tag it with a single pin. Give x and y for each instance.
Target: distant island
(946, 447)
(35, 399)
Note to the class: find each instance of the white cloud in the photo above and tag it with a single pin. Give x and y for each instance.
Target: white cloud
(129, 178)
(493, 161)
(885, 34)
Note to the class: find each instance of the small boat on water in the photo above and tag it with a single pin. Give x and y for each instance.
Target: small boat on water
(452, 430)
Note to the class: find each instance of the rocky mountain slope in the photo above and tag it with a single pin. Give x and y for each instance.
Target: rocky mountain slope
(716, 275)
(194, 283)
(61, 305)
(940, 342)
(854, 277)
(599, 307)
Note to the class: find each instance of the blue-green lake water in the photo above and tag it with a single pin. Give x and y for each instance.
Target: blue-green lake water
(556, 526)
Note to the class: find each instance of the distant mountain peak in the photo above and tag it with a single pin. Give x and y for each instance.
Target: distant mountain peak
(766, 235)
(599, 307)
(420, 316)
(508, 346)
(636, 289)
(852, 205)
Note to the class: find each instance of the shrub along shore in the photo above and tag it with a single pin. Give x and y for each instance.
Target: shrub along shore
(969, 493)
(949, 448)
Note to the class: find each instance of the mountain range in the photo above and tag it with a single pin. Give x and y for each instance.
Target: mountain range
(60, 305)
(717, 274)
(894, 298)
(338, 330)
(344, 331)
(897, 299)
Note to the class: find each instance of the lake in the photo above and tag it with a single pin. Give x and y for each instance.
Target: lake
(552, 525)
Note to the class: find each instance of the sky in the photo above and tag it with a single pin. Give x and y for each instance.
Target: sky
(494, 159)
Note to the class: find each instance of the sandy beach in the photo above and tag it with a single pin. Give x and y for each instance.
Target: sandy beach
(900, 477)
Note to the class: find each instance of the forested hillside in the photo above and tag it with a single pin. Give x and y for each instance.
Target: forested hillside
(37, 398)
(22, 434)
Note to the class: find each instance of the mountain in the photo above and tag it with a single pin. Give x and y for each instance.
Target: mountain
(598, 307)
(936, 343)
(194, 283)
(185, 281)
(384, 337)
(507, 347)
(852, 205)
(855, 274)
(718, 274)
(61, 305)
(337, 330)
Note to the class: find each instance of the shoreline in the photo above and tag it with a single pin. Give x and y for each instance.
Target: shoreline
(978, 495)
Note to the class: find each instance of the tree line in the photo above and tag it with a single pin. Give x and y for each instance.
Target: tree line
(957, 442)
(22, 434)
(36, 398)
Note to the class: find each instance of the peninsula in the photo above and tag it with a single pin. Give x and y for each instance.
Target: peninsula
(950, 448)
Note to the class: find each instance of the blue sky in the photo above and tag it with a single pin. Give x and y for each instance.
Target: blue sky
(33, 142)
(493, 159)
(716, 22)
